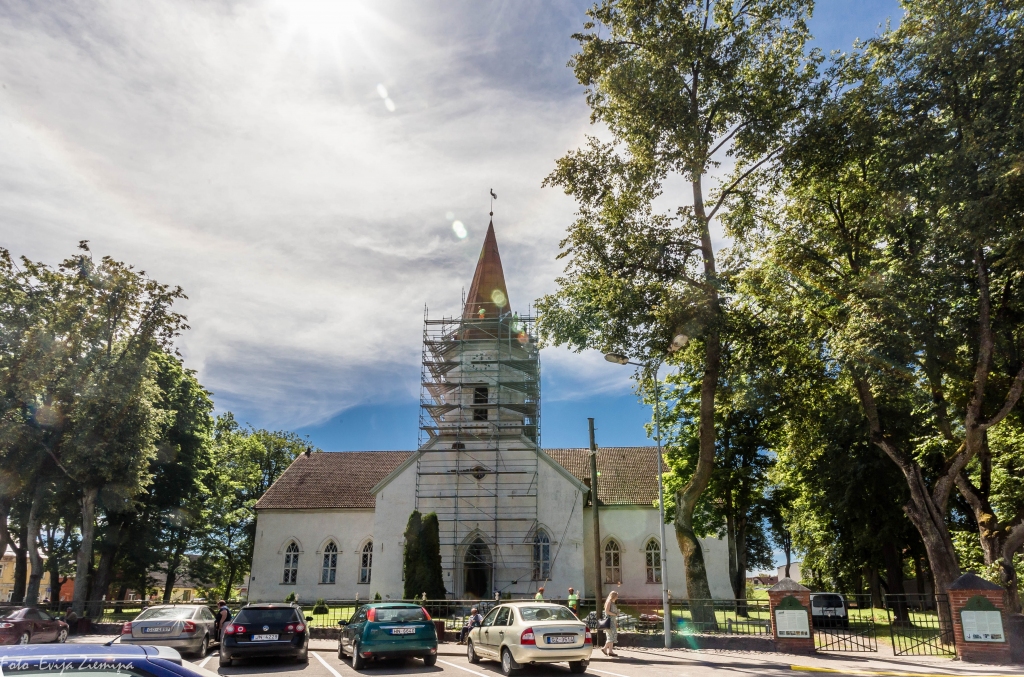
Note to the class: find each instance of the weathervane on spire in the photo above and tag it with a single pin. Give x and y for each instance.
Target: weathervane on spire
(494, 196)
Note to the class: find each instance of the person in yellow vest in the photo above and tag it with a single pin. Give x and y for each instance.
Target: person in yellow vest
(540, 594)
(574, 602)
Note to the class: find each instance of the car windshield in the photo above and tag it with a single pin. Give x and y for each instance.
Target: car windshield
(546, 613)
(265, 616)
(827, 601)
(398, 614)
(166, 613)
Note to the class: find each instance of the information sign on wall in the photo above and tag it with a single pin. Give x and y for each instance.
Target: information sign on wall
(791, 619)
(982, 621)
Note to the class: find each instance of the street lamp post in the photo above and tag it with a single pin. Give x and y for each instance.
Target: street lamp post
(622, 359)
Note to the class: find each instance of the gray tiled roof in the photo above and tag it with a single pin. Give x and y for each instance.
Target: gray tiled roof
(343, 479)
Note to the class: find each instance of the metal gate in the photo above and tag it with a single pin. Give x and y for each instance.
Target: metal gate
(843, 622)
(920, 625)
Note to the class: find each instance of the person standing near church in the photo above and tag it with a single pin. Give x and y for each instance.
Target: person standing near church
(611, 613)
(539, 597)
(574, 602)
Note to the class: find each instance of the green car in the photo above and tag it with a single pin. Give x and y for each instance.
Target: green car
(393, 630)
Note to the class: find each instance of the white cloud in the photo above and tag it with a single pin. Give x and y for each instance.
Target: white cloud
(247, 153)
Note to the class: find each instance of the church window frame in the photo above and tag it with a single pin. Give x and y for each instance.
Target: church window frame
(612, 562)
(481, 395)
(366, 563)
(291, 564)
(329, 564)
(541, 556)
(653, 560)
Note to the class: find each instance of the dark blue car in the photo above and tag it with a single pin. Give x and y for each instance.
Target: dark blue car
(94, 660)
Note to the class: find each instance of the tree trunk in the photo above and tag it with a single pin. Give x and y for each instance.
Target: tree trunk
(876, 589)
(697, 587)
(101, 579)
(172, 573)
(741, 566)
(1007, 572)
(894, 583)
(32, 539)
(20, 566)
(83, 563)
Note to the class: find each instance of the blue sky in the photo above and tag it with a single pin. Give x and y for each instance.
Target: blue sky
(297, 167)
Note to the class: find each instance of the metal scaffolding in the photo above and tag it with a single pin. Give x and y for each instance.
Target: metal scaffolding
(479, 434)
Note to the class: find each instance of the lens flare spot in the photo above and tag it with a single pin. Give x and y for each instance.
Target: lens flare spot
(383, 91)
(459, 229)
(498, 297)
(390, 105)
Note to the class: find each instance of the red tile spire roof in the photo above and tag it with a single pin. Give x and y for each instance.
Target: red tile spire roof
(488, 296)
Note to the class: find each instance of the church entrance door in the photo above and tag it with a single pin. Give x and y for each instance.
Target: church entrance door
(477, 568)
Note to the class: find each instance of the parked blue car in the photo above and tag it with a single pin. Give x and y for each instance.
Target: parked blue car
(94, 660)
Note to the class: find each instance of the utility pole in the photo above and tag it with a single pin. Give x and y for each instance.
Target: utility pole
(598, 595)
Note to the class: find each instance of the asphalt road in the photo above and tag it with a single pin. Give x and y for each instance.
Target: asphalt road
(640, 663)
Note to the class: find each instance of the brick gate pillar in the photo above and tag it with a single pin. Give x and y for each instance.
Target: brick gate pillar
(790, 608)
(979, 620)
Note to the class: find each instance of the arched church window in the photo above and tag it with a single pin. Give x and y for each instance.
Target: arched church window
(291, 563)
(366, 562)
(653, 552)
(541, 556)
(612, 563)
(330, 566)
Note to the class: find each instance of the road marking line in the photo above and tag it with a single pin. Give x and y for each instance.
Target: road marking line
(590, 668)
(472, 672)
(326, 665)
(205, 661)
(891, 673)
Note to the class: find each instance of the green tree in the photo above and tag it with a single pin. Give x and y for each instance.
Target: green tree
(422, 557)
(680, 86)
(245, 463)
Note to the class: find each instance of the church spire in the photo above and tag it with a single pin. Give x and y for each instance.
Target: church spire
(488, 296)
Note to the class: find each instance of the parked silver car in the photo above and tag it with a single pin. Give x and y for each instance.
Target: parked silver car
(185, 627)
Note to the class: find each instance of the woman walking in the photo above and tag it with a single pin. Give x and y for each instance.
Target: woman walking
(611, 612)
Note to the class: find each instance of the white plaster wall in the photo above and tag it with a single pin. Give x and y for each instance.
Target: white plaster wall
(395, 503)
(560, 513)
(632, 527)
(310, 529)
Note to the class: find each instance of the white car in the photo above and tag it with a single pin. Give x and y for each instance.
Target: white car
(521, 633)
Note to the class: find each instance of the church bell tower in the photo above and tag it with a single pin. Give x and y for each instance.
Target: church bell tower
(480, 435)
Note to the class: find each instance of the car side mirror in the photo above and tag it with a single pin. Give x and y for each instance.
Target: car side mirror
(340, 623)
(309, 618)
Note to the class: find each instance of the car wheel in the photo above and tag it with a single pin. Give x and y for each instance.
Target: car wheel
(204, 648)
(24, 639)
(430, 661)
(577, 667)
(471, 653)
(508, 664)
(358, 662)
(341, 650)
(304, 656)
(62, 636)
(225, 661)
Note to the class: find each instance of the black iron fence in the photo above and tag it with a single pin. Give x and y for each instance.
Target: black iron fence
(844, 622)
(920, 625)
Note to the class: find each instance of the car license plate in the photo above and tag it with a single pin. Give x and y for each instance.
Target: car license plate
(403, 631)
(830, 612)
(264, 638)
(561, 639)
(156, 630)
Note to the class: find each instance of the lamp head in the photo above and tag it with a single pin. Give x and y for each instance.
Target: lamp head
(616, 358)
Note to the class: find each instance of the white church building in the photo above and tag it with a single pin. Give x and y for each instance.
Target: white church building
(513, 516)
